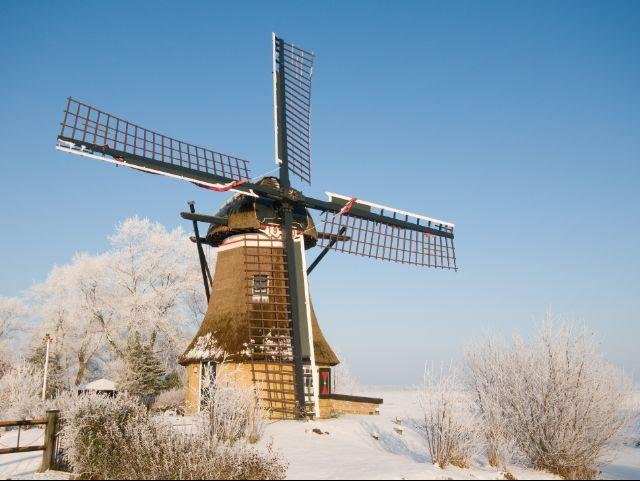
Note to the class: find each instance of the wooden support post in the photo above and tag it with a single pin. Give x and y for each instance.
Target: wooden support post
(49, 453)
(326, 249)
(206, 275)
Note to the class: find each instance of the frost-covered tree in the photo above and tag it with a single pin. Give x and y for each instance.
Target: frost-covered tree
(68, 305)
(12, 313)
(142, 375)
(156, 281)
(147, 282)
(343, 381)
(12, 322)
(20, 392)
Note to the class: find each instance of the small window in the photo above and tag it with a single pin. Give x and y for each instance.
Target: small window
(260, 288)
(308, 384)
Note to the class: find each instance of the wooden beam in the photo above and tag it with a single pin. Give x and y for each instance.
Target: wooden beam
(210, 219)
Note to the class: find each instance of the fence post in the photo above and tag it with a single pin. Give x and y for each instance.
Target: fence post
(48, 456)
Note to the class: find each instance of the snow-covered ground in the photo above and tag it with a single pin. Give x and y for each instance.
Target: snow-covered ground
(24, 465)
(20, 464)
(349, 451)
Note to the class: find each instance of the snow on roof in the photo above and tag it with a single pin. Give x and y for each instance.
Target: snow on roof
(101, 385)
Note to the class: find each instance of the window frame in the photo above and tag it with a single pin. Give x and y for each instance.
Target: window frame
(260, 293)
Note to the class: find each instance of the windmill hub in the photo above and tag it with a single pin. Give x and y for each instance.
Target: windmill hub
(291, 195)
(260, 317)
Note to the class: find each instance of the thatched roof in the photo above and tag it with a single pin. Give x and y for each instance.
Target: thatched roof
(225, 332)
(226, 336)
(247, 214)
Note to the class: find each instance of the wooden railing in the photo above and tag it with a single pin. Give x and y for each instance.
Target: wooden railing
(48, 448)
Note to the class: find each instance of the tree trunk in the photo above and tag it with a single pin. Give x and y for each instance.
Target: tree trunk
(82, 369)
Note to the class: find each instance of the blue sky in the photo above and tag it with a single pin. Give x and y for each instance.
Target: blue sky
(518, 121)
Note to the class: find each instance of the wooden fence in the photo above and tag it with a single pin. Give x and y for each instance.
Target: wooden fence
(50, 422)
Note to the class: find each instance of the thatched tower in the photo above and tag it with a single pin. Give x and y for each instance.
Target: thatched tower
(245, 330)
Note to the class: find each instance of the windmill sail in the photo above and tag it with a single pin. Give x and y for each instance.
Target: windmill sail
(93, 133)
(292, 72)
(385, 233)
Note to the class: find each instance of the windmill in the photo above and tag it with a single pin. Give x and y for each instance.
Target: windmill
(260, 311)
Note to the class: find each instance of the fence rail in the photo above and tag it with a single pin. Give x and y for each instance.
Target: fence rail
(50, 434)
(23, 422)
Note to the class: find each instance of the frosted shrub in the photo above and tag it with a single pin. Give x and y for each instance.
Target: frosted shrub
(64, 401)
(116, 438)
(157, 451)
(20, 392)
(233, 411)
(6, 362)
(171, 400)
(449, 419)
(96, 433)
(484, 371)
(559, 401)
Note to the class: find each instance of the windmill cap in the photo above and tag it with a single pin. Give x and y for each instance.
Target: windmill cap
(248, 214)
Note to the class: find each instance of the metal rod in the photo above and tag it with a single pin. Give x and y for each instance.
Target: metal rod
(326, 250)
(203, 261)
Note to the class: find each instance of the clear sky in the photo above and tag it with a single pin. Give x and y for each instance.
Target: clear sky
(518, 121)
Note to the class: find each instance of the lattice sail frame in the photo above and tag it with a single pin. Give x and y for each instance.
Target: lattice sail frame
(387, 242)
(271, 347)
(293, 66)
(88, 131)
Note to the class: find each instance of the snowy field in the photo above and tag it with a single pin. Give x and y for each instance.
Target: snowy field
(349, 451)
(20, 464)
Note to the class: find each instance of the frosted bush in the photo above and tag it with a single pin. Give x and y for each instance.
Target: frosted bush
(64, 401)
(484, 371)
(449, 420)
(233, 411)
(556, 398)
(171, 400)
(6, 361)
(94, 433)
(158, 451)
(116, 438)
(20, 392)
